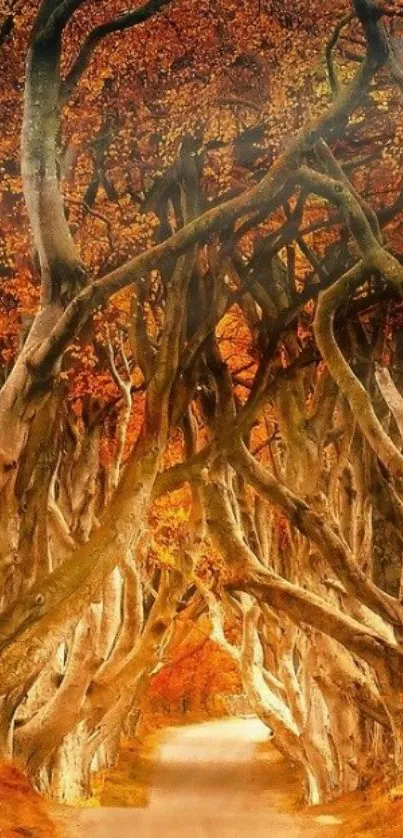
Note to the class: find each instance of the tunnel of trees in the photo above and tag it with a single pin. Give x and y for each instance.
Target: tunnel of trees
(201, 409)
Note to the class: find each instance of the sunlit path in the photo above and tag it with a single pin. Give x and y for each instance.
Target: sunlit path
(209, 782)
(201, 415)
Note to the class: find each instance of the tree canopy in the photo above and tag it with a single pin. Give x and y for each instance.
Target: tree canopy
(201, 410)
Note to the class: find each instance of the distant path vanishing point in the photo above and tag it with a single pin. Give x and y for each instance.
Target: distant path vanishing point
(209, 783)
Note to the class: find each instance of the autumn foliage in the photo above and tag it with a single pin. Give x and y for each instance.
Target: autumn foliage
(201, 415)
(199, 679)
(22, 810)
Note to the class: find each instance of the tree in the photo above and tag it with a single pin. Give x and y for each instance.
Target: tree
(201, 404)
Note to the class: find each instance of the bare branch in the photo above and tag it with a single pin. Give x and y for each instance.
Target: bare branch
(333, 80)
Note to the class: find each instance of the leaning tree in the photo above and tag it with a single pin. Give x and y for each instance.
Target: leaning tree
(201, 407)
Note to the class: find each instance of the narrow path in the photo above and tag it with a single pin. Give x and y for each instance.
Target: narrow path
(210, 783)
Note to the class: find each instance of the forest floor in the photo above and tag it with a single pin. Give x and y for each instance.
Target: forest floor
(376, 812)
(217, 779)
(221, 779)
(23, 813)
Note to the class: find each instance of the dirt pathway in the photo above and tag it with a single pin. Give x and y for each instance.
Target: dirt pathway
(211, 783)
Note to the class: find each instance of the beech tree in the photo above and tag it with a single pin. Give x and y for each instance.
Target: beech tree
(201, 407)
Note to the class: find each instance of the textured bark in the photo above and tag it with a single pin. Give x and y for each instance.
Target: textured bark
(38, 739)
(80, 633)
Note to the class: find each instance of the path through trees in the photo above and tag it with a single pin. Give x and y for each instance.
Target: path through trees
(201, 410)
